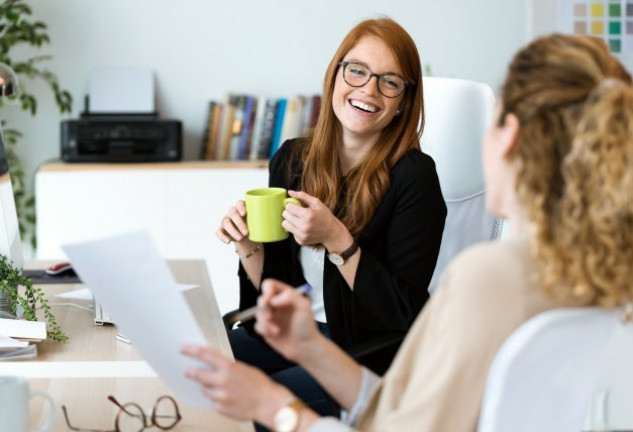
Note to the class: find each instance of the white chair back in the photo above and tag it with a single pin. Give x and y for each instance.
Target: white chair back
(611, 406)
(457, 114)
(543, 375)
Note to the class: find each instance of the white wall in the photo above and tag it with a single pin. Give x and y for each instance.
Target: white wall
(202, 49)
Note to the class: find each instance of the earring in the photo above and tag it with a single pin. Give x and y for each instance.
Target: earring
(398, 111)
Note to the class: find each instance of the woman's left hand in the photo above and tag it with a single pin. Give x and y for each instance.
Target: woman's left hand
(312, 224)
(236, 389)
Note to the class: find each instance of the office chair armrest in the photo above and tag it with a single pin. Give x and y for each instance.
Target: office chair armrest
(227, 319)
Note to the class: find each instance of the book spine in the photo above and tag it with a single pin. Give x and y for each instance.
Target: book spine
(298, 123)
(279, 122)
(214, 133)
(257, 130)
(227, 132)
(268, 129)
(289, 120)
(239, 102)
(305, 115)
(204, 145)
(247, 127)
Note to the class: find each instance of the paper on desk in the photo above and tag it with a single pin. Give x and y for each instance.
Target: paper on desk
(133, 283)
(9, 343)
(86, 294)
(22, 329)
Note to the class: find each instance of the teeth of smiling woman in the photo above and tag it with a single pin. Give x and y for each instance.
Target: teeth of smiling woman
(363, 106)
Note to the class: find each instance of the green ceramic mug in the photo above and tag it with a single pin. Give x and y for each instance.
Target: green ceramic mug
(263, 214)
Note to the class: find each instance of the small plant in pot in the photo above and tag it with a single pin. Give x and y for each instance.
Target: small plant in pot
(18, 295)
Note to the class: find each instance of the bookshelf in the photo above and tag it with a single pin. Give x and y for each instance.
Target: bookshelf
(251, 128)
(181, 204)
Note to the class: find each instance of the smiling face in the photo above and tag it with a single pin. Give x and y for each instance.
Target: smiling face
(363, 111)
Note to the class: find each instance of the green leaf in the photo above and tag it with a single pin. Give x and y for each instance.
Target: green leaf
(33, 299)
(18, 29)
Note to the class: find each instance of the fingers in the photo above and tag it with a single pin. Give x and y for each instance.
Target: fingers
(270, 287)
(266, 327)
(276, 295)
(266, 323)
(233, 226)
(204, 354)
(217, 364)
(240, 206)
(304, 197)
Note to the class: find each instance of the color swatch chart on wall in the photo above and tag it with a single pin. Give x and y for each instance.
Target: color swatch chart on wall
(611, 20)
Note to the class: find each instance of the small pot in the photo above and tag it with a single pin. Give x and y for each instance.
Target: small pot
(5, 304)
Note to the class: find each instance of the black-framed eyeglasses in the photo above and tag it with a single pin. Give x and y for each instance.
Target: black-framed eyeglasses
(131, 418)
(356, 74)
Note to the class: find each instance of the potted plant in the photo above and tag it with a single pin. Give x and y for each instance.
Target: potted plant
(18, 29)
(20, 298)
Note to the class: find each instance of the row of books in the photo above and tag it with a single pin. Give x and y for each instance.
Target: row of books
(251, 128)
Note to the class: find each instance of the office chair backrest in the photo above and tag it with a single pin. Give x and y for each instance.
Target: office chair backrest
(611, 402)
(543, 375)
(457, 114)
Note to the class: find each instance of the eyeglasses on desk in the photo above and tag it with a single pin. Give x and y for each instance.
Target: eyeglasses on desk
(165, 415)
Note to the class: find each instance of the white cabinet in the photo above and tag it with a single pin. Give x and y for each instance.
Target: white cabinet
(180, 204)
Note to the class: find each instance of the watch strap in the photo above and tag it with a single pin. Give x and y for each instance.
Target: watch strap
(340, 258)
(349, 251)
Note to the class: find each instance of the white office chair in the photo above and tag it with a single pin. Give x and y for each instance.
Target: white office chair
(458, 112)
(611, 406)
(542, 376)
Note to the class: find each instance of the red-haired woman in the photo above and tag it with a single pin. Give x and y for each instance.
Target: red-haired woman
(368, 233)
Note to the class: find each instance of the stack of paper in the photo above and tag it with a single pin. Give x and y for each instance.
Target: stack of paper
(15, 336)
(23, 330)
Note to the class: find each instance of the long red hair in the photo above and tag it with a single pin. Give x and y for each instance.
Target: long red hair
(368, 182)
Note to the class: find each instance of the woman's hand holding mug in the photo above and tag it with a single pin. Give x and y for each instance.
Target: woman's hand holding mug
(264, 222)
(233, 227)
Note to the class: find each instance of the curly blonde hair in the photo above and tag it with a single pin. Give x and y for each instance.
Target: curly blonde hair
(574, 102)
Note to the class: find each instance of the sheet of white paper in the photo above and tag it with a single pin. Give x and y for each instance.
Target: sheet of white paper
(119, 90)
(7, 342)
(86, 294)
(21, 329)
(78, 294)
(133, 283)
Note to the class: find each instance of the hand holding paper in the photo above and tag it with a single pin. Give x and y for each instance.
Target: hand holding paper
(130, 279)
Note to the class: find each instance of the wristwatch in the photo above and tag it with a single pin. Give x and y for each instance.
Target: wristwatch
(288, 417)
(340, 258)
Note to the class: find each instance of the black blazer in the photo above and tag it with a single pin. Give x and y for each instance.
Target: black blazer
(399, 247)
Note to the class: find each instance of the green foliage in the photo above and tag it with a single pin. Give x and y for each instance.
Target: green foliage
(17, 28)
(11, 280)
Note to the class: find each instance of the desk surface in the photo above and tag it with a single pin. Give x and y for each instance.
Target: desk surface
(93, 364)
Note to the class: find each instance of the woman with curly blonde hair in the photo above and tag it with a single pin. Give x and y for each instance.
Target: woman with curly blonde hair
(558, 163)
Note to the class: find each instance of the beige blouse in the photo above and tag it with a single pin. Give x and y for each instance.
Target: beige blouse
(437, 380)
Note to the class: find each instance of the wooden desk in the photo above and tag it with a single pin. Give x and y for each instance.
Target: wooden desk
(93, 364)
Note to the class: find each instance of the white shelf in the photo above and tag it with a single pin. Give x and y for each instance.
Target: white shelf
(180, 204)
